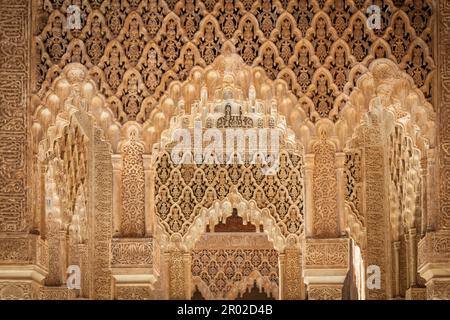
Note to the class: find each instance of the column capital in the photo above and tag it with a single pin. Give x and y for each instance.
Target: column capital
(434, 255)
(116, 160)
(309, 161)
(340, 160)
(326, 260)
(147, 159)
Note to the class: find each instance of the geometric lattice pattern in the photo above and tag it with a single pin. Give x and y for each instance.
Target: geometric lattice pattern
(220, 270)
(134, 49)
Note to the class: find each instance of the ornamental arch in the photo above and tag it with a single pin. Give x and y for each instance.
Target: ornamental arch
(315, 204)
(358, 107)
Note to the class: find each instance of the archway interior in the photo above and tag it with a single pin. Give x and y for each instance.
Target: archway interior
(231, 260)
(203, 187)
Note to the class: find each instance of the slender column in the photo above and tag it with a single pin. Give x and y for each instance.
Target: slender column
(408, 261)
(340, 176)
(63, 255)
(309, 207)
(179, 275)
(117, 192)
(149, 195)
(413, 253)
(292, 287)
(42, 215)
(396, 248)
(431, 186)
(187, 261)
(282, 266)
(423, 195)
(84, 263)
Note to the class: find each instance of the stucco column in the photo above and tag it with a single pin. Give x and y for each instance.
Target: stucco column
(41, 197)
(413, 254)
(396, 250)
(423, 195)
(117, 192)
(179, 267)
(309, 205)
(431, 195)
(149, 194)
(292, 285)
(281, 280)
(340, 177)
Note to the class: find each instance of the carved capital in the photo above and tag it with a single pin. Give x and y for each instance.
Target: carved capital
(133, 292)
(325, 292)
(23, 249)
(326, 260)
(18, 290)
(438, 289)
(132, 252)
(416, 294)
(434, 255)
(56, 293)
(326, 253)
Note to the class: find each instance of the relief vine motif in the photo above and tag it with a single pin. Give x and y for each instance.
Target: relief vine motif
(14, 78)
(133, 184)
(325, 221)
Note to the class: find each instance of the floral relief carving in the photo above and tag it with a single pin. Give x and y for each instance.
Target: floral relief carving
(132, 219)
(129, 252)
(325, 292)
(326, 253)
(325, 221)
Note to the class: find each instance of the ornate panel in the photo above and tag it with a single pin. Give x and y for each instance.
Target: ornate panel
(132, 252)
(438, 289)
(434, 248)
(26, 249)
(102, 220)
(375, 213)
(325, 219)
(133, 292)
(443, 45)
(325, 292)
(353, 187)
(133, 193)
(224, 266)
(56, 293)
(160, 41)
(293, 283)
(14, 83)
(326, 253)
(18, 290)
(183, 190)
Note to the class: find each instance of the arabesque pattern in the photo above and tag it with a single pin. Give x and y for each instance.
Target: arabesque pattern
(135, 49)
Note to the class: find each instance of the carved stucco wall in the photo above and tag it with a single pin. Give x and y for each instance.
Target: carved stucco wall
(135, 49)
(415, 59)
